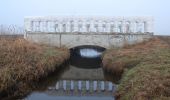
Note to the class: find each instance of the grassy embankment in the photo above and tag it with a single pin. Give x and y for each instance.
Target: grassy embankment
(22, 62)
(144, 68)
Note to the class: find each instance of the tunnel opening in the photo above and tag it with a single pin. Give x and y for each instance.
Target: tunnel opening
(86, 56)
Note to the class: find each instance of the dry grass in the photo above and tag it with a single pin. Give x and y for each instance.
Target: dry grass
(24, 62)
(146, 68)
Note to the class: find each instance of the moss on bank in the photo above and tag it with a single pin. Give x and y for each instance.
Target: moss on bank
(25, 62)
(146, 68)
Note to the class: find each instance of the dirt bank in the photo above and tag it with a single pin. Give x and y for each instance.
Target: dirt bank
(144, 70)
(22, 62)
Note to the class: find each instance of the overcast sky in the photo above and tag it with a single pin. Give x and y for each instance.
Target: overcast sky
(13, 11)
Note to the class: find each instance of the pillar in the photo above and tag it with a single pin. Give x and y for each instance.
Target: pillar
(28, 24)
(57, 86)
(100, 26)
(87, 85)
(64, 84)
(132, 26)
(149, 26)
(84, 29)
(95, 85)
(91, 26)
(108, 27)
(72, 85)
(116, 26)
(123, 27)
(79, 85)
(60, 27)
(75, 26)
(102, 86)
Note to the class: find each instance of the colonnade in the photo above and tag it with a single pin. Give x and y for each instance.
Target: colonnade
(90, 24)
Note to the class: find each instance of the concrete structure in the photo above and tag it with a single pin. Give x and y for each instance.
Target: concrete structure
(84, 87)
(101, 31)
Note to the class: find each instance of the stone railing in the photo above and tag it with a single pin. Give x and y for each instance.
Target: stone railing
(89, 24)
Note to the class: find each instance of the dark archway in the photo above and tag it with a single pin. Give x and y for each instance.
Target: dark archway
(86, 56)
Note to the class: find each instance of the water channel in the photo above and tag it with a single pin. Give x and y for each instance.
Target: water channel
(83, 78)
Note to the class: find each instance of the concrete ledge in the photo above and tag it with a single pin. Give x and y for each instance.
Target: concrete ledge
(71, 40)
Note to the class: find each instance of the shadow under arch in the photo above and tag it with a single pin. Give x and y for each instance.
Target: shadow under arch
(86, 56)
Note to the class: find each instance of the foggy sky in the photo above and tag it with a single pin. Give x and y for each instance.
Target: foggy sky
(14, 11)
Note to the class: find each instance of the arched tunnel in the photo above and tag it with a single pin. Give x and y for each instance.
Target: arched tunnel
(86, 56)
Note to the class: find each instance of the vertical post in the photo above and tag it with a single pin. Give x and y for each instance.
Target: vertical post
(108, 27)
(75, 26)
(87, 85)
(72, 85)
(91, 26)
(100, 26)
(102, 85)
(131, 24)
(60, 26)
(123, 26)
(84, 29)
(115, 28)
(68, 26)
(57, 86)
(79, 85)
(95, 85)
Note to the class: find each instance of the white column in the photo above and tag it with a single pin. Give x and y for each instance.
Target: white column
(149, 26)
(116, 26)
(64, 84)
(79, 85)
(138, 27)
(84, 29)
(56, 26)
(28, 24)
(94, 85)
(57, 86)
(123, 27)
(45, 26)
(72, 85)
(68, 26)
(59, 27)
(110, 86)
(38, 26)
(108, 27)
(75, 26)
(91, 26)
(132, 27)
(100, 26)
(87, 85)
(102, 85)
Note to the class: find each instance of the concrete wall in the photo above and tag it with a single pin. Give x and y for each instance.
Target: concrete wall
(70, 31)
(77, 39)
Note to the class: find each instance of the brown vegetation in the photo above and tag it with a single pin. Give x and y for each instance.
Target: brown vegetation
(24, 62)
(145, 70)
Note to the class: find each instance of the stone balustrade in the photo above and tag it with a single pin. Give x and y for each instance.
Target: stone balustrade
(81, 85)
(89, 24)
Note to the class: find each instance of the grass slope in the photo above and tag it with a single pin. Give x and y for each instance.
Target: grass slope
(145, 68)
(24, 62)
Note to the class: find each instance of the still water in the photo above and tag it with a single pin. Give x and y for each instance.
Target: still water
(82, 79)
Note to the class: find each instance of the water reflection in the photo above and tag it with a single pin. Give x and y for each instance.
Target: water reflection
(86, 56)
(90, 53)
(76, 82)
